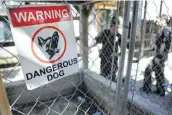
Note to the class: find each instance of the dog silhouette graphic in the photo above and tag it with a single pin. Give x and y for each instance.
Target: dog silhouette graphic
(50, 44)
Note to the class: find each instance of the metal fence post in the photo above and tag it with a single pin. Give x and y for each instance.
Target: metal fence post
(130, 56)
(4, 104)
(143, 31)
(160, 11)
(84, 35)
(123, 51)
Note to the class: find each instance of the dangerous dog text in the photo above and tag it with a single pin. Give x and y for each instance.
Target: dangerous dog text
(52, 72)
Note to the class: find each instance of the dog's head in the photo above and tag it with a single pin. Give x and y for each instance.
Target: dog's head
(50, 44)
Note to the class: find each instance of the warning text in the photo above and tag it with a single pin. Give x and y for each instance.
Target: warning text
(39, 15)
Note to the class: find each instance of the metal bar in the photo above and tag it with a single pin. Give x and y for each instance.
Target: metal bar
(143, 29)
(142, 40)
(116, 14)
(121, 8)
(112, 68)
(123, 51)
(141, 52)
(160, 11)
(84, 37)
(130, 57)
(4, 104)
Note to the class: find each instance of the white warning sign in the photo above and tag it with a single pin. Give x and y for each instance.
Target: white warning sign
(45, 41)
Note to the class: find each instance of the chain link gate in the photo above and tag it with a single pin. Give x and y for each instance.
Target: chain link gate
(88, 92)
(150, 79)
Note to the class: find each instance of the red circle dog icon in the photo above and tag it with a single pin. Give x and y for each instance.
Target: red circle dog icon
(48, 44)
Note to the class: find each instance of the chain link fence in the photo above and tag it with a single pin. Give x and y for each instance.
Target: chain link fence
(72, 94)
(150, 80)
(105, 59)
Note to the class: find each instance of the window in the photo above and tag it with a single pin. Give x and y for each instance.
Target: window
(5, 32)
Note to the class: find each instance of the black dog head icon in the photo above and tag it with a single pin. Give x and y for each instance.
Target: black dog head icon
(50, 44)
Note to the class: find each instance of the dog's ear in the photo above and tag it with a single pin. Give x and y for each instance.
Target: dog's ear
(55, 34)
(41, 41)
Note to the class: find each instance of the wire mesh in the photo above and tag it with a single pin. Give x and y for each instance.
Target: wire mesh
(70, 97)
(92, 91)
(150, 80)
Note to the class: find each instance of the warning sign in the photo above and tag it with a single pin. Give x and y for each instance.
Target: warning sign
(45, 41)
